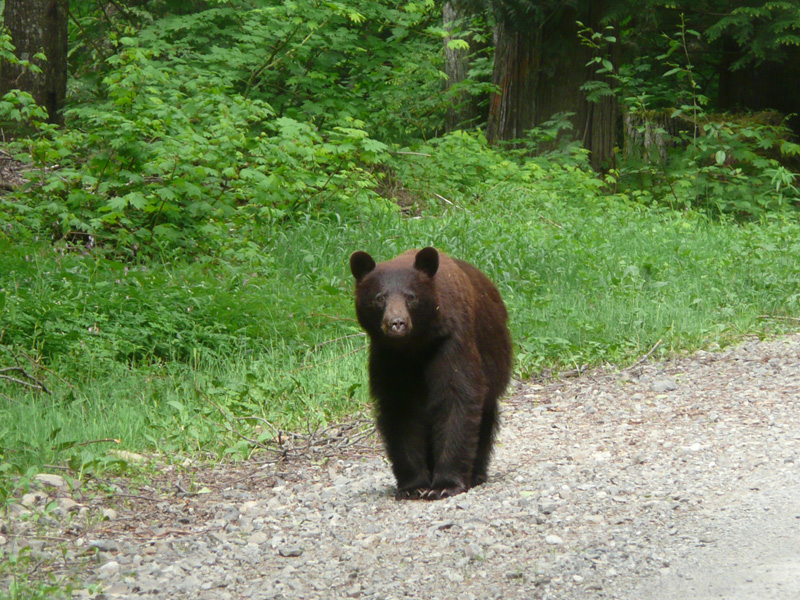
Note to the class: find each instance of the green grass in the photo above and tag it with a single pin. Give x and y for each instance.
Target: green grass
(21, 581)
(150, 354)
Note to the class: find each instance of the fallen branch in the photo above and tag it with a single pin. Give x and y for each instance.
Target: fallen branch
(645, 357)
(100, 441)
(443, 199)
(779, 317)
(284, 443)
(27, 380)
(553, 223)
(407, 153)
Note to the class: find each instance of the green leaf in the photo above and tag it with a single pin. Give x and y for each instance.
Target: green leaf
(457, 44)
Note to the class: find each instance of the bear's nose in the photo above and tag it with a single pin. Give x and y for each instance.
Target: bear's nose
(395, 327)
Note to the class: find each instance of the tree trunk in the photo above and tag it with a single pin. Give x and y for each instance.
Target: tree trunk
(36, 26)
(516, 67)
(539, 70)
(770, 85)
(559, 86)
(456, 66)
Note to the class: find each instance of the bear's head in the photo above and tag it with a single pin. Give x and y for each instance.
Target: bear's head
(395, 300)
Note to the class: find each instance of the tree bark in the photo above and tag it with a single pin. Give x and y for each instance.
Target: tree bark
(539, 69)
(559, 86)
(36, 26)
(515, 74)
(456, 66)
(770, 85)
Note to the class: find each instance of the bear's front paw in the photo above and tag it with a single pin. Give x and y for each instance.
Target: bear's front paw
(416, 493)
(445, 492)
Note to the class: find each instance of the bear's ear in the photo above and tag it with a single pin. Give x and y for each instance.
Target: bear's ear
(361, 264)
(427, 261)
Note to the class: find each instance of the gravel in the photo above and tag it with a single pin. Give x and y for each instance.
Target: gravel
(666, 480)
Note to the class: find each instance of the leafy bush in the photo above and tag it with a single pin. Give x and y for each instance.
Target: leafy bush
(169, 159)
(181, 139)
(462, 166)
(177, 263)
(686, 155)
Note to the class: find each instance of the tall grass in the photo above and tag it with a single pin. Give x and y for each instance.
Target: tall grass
(152, 354)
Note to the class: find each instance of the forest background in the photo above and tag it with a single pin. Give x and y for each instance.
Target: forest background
(180, 197)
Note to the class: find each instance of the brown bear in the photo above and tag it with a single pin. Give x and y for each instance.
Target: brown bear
(439, 359)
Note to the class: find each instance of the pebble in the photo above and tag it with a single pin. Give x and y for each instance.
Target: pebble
(109, 569)
(664, 385)
(68, 505)
(598, 483)
(553, 540)
(32, 499)
(46, 479)
(104, 545)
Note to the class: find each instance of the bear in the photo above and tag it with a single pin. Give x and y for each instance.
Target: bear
(439, 359)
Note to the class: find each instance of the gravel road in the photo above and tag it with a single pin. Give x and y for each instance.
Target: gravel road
(674, 480)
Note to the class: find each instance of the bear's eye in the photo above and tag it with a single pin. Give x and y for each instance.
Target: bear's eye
(411, 298)
(379, 299)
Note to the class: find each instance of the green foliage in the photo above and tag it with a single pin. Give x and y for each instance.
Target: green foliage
(181, 138)
(19, 583)
(18, 110)
(693, 157)
(764, 31)
(463, 163)
(172, 160)
(212, 356)
(174, 274)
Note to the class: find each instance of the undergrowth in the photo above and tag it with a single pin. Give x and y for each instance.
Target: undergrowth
(165, 354)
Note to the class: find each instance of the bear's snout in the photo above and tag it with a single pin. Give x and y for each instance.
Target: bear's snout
(396, 320)
(396, 326)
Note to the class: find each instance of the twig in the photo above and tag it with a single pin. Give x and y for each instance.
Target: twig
(645, 357)
(88, 442)
(779, 317)
(443, 199)
(553, 223)
(43, 368)
(413, 153)
(31, 382)
(272, 61)
(15, 380)
(86, 37)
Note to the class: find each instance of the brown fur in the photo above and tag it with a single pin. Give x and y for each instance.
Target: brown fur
(440, 357)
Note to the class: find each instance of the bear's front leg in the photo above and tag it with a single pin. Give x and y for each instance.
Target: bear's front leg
(454, 448)
(456, 396)
(405, 441)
